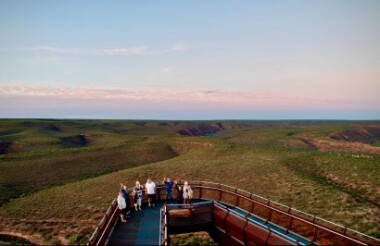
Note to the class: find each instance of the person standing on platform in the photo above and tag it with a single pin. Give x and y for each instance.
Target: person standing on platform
(124, 190)
(187, 192)
(168, 188)
(150, 188)
(179, 192)
(121, 206)
(137, 194)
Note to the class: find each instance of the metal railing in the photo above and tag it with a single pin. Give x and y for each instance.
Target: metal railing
(163, 233)
(311, 227)
(101, 234)
(246, 232)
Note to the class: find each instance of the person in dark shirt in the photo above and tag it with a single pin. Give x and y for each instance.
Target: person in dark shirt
(179, 190)
(124, 191)
(168, 188)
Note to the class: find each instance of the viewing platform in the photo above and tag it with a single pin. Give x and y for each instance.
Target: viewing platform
(231, 216)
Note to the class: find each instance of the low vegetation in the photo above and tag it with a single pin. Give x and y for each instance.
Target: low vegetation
(68, 188)
(192, 239)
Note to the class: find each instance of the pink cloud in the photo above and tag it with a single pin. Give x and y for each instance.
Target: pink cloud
(236, 98)
(123, 51)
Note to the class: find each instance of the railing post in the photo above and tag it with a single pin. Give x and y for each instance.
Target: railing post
(220, 193)
(237, 201)
(290, 220)
(290, 224)
(200, 192)
(253, 207)
(166, 227)
(270, 215)
(225, 222)
(191, 218)
(266, 240)
(315, 235)
(244, 234)
(252, 204)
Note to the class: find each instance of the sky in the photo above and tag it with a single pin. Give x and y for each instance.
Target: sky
(182, 60)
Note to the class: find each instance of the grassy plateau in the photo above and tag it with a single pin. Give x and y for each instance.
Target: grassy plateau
(58, 177)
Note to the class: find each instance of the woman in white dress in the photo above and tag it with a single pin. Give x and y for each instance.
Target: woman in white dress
(187, 192)
(121, 205)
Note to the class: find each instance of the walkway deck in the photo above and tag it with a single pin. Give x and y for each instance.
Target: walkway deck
(141, 229)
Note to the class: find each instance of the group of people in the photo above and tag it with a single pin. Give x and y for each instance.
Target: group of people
(184, 194)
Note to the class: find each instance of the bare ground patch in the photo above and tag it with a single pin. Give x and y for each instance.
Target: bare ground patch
(77, 141)
(337, 146)
(45, 231)
(364, 191)
(363, 135)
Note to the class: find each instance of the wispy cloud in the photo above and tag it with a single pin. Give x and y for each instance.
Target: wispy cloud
(128, 93)
(124, 51)
(166, 70)
(237, 97)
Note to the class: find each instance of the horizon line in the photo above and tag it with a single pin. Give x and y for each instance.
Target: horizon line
(215, 119)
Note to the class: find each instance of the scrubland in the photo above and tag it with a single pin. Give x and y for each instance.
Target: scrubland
(58, 177)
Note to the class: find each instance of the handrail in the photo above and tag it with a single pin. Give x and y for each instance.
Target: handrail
(317, 224)
(249, 221)
(101, 230)
(165, 239)
(107, 230)
(311, 218)
(160, 238)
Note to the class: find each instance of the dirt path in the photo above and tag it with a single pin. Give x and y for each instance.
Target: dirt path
(59, 227)
(33, 239)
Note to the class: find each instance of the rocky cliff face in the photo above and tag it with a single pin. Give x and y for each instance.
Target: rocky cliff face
(201, 129)
(363, 135)
(76, 141)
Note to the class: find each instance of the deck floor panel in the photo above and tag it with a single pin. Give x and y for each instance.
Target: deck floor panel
(142, 228)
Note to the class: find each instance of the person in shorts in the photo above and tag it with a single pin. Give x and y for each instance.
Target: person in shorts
(137, 194)
(150, 188)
